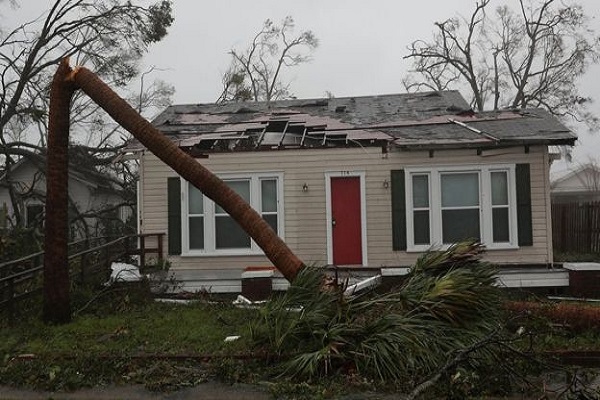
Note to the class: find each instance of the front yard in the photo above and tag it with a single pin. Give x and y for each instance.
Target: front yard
(167, 346)
(447, 326)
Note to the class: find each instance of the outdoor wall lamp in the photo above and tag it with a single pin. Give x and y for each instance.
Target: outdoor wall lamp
(386, 184)
(305, 187)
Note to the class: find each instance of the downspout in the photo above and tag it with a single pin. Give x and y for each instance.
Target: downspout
(549, 237)
(140, 200)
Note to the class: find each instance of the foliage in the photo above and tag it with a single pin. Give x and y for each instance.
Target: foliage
(531, 57)
(126, 338)
(576, 317)
(332, 388)
(54, 374)
(448, 303)
(157, 275)
(255, 73)
(19, 242)
(110, 37)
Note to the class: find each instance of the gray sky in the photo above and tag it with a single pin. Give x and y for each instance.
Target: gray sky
(360, 53)
(362, 44)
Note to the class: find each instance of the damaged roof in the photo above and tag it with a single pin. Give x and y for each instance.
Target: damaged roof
(426, 120)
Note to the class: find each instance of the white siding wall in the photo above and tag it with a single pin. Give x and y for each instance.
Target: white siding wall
(80, 193)
(23, 176)
(305, 212)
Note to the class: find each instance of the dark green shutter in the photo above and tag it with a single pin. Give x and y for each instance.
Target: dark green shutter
(524, 225)
(398, 210)
(174, 215)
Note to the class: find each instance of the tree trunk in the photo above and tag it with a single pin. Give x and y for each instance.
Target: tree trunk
(187, 167)
(57, 305)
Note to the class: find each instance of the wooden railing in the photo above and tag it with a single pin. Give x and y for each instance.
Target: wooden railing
(143, 249)
(89, 261)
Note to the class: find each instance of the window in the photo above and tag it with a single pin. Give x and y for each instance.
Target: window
(35, 216)
(269, 201)
(228, 234)
(500, 207)
(421, 210)
(195, 218)
(449, 204)
(460, 206)
(212, 231)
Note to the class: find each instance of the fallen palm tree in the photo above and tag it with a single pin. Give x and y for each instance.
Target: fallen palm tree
(66, 82)
(449, 304)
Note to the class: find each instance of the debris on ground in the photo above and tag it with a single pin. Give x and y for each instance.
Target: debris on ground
(123, 272)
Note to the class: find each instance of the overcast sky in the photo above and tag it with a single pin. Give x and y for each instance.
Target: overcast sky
(362, 44)
(360, 53)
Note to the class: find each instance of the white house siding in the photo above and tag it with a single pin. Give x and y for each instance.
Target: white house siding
(24, 177)
(305, 212)
(540, 252)
(82, 193)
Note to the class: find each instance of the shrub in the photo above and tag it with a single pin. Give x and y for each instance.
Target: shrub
(577, 317)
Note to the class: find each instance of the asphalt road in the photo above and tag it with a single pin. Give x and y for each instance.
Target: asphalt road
(209, 390)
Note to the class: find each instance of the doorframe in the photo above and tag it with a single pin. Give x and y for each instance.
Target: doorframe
(363, 211)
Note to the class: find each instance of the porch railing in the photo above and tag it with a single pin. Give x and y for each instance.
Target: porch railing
(89, 261)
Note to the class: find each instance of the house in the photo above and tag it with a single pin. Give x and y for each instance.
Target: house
(365, 184)
(95, 201)
(578, 185)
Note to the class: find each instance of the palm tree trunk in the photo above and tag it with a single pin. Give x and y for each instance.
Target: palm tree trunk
(57, 305)
(187, 167)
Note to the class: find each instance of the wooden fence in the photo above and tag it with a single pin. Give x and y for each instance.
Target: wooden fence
(576, 227)
(89, 261)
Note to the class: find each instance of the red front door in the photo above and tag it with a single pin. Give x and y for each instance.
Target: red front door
(345, 219)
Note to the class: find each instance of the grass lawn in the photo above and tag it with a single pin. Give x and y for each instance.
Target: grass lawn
(123, 339)
(156, 328)
(142, 344)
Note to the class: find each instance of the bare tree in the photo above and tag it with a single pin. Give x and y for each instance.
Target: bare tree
(255, 73)
(111, 36)
(531, 57)
(155, 96)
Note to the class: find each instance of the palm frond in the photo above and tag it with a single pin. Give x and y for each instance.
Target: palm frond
(448, 302)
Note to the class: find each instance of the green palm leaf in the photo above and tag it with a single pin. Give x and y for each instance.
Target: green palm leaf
(448, 302)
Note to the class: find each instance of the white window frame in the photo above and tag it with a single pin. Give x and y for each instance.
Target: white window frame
(485, 204)
(410, 221)
(210, 249)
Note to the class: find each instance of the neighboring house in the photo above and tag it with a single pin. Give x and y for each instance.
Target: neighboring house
(92, 197)
(362, 183)
(579, 185)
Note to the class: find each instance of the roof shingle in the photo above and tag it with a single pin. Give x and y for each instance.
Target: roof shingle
(422, 120)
